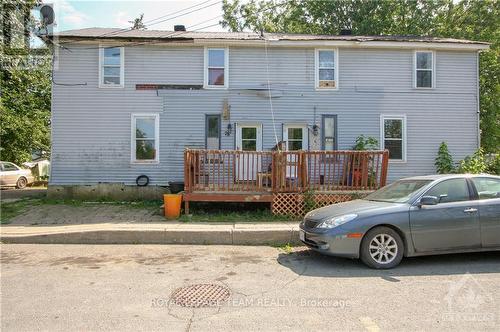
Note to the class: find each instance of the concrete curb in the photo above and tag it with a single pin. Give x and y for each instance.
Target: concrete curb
(236, 234)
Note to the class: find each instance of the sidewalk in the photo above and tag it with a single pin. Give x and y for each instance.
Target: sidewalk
(272, 233)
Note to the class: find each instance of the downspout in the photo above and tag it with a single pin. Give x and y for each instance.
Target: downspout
(477, 102)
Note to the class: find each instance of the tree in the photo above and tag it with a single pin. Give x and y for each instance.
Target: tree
(467, 19)
(25, 95)
(137, 23)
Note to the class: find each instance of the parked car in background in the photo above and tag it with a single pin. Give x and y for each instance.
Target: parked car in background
(423, 215)
(12, 175)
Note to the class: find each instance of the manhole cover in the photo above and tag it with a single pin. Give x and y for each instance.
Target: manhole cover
(200, 295)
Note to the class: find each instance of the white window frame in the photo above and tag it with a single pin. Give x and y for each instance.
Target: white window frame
(226, 68)
(432, 70)
(101, 67)
(335, 68)
(133, 139)
(384, 117)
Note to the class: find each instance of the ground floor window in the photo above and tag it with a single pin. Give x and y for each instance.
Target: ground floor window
(295, 137)
(212, 131)
(393, 136)
(329, 133)
(145, 137)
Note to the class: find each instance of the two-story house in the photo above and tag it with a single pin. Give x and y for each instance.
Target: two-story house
(127, 103)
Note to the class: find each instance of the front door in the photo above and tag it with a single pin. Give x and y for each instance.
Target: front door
(295, 137)
(451, 224)
(248, 139)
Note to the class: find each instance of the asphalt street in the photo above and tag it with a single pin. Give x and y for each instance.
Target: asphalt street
(136, 288)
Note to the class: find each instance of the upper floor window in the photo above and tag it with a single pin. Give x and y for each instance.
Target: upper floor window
(111, 67)
(145, 137)
(424, 69)
(216, 60)
(393, 136)
(326, 69)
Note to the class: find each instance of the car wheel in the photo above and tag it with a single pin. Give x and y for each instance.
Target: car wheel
(21, 183)
(382, 248)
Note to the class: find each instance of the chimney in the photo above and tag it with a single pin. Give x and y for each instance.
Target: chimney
(345, 32)
(179, 28)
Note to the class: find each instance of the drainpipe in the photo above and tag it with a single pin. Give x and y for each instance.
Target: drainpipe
(477, 101)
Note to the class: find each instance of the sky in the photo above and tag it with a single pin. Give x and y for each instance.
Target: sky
(77, 14)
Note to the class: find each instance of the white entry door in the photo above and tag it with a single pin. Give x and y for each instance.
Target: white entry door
(248, 138)
(296, 138)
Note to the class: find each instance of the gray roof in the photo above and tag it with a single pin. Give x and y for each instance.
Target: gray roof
(116, 33)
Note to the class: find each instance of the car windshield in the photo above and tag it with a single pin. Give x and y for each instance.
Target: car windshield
(398, 192)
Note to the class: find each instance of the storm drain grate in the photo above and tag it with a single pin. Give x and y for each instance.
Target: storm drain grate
(200, 295)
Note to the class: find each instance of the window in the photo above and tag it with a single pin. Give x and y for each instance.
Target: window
(212, 132)
(326, 69)
(249, 138)
(393, 137)
(216, 67)
(111, 67)
(145, 138)
(487, 187)
(329, 125)
(9, 167)
(424, 69)
(295, 137)
(455, 190)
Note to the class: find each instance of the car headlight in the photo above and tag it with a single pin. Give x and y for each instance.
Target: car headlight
(337, 221)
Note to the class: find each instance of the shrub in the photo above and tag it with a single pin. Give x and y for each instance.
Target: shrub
(365, 143)
(444, 161)
(493, 165)
(474, 164)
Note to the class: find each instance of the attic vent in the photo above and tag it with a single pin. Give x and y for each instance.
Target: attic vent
(179, 28)
(345, 32)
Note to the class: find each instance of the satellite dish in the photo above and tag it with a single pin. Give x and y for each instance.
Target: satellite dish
(47, 15)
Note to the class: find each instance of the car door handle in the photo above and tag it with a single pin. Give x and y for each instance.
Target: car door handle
(470, 210)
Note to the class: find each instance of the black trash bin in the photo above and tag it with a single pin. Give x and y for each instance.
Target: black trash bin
(176, 187)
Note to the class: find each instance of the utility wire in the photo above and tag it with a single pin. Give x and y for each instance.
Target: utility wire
(270, 96)
(148, 24)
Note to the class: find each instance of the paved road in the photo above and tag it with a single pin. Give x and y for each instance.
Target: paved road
(76, 287)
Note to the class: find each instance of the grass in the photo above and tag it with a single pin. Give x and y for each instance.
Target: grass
(201, 212)
(11, 209)
(220, 212)
(246, 216)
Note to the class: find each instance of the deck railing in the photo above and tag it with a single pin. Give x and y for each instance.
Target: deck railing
(283, 171)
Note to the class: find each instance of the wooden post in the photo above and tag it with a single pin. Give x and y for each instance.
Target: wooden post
(383, 173)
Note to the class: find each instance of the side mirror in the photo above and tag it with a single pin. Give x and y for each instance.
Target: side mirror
(429, 200)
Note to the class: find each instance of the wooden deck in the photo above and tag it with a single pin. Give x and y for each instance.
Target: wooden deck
(255, 176)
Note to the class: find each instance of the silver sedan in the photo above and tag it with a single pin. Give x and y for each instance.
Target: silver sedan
(12, 175)
(423, 215)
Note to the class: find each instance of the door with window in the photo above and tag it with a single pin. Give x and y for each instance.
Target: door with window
(295, 137)
(451, 224)
(248, 139)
